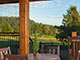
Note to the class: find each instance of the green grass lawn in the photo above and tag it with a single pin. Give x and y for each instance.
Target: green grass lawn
(55, 42)
(44, 36)
(47, 36)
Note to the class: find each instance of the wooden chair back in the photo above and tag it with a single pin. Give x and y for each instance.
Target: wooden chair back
(78, 57)
(15, 57)
(4, 51)
(51, 49)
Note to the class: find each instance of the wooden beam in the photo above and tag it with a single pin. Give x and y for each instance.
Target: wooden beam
(8, 1)
(38, 0)
(24, 26)
(16, 1)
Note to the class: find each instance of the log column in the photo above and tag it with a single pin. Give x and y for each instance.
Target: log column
(24, 26)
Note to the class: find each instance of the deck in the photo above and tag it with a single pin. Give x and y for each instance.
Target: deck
(44, 57)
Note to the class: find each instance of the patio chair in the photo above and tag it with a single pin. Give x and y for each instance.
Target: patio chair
(15, 57)
(70, 55)
(51, 50)
(4, 51)
(78, 57)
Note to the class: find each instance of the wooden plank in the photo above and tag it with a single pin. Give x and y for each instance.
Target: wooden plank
(24, 26)
(39, 0)
(75, 40)
(16, 1)
(15, 57)
(8, 1)
(69, 49)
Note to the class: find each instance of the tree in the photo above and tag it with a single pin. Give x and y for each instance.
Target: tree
(40, 29)
(13, 23)
(72, 17)
(16, 28)
(45, 29)
(6, 27)
(71, 22)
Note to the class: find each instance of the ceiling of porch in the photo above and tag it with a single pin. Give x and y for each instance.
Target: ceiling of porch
(16, 1)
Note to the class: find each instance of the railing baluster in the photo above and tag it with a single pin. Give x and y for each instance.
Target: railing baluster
(9, 39)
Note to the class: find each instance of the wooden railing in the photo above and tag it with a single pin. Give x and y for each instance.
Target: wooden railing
(10, 39)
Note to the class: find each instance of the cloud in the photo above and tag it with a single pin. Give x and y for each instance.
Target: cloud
(5, 6)
(39, 4)
(9, 10)
(51, 20)
(3, 13)
(56, 17)
(50, 4)
(42, 4)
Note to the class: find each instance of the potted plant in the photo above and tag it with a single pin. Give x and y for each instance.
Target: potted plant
(35, 46)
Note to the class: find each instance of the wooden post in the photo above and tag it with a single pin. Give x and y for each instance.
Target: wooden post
(74, 45)
(68, 49)
(24, 26)
(58, 52)
(74, 34)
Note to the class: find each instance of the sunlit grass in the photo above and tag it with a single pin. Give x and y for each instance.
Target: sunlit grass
(44, 36)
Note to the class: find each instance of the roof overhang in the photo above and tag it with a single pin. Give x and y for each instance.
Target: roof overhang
(16, 1)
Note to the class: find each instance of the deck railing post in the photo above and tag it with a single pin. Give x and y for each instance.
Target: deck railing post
(74, 34)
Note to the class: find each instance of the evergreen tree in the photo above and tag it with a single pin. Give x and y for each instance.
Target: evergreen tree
(71, 22)
(72, 17)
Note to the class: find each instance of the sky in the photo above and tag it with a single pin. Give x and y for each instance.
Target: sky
(46, 12)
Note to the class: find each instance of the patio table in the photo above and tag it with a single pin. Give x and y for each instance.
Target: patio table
(44, 57)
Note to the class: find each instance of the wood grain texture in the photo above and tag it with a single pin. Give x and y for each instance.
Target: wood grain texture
(74, 34)
(4, 51)
(15, 57)
(24, 26)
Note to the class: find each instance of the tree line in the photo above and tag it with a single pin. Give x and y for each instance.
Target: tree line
(11, 24)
